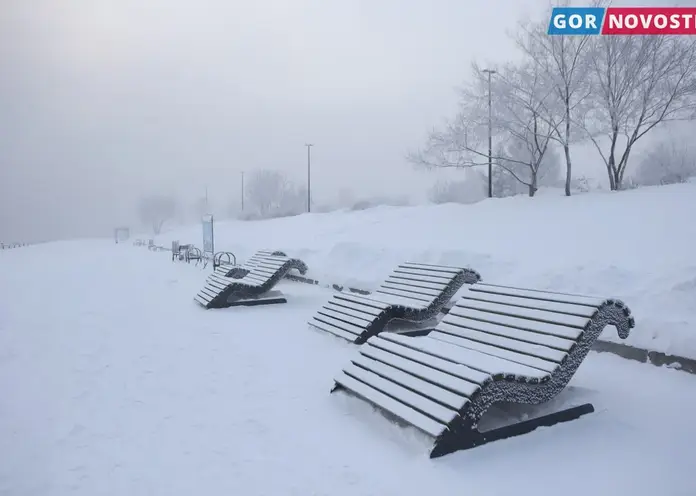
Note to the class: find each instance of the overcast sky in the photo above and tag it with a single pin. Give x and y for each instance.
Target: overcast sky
(105, 101)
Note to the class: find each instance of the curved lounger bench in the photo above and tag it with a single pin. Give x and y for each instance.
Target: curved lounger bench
(414, 292)
(239, 271)
(252, 289)
(497, 344)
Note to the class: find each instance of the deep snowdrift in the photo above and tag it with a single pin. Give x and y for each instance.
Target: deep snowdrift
(637, 245)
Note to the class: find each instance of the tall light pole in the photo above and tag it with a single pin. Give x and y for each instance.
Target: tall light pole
(242, 191)
(309, 176)
(490, 136)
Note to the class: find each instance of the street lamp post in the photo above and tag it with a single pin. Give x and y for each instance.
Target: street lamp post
(309, 176)
(490, 136)
(242, 191)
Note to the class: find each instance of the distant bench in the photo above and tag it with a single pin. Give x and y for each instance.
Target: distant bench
(497, 344)
(185, 252)
(221, 291)
(413, 291)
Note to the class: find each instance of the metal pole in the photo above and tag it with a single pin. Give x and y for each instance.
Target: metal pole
(490, 136)
(309, 177)
(242, 191)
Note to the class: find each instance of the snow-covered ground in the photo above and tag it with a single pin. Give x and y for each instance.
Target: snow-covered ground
(113, 382)
(639, 246)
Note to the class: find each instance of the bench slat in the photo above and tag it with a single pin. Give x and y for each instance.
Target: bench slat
(539, 295)
(427, 271)
(527, 313)
(357, 321)
(561, 344)
(424, 388)
(419, 299)
(351, 311)
(266, 272)
(529, 325)
(430, 374)
(341, 333)
(440, 281)
(515, 345)
(210, 292)
(438, 268)
(269, 256)
(551, 306)
(392, 299)
(217, 286)
(268, 265)
(362, 300)
(202, 301)
(474, 359)
(424, 275)
(421, 403)
(496, 351)
(353, 306)
(405, 413)
(221, 284)
(346, 326)
(224, 280)
(456, 369)
(427, 293)
(416, 284)
(254, 278)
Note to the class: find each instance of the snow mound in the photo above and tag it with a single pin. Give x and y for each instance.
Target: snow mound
(638, 246)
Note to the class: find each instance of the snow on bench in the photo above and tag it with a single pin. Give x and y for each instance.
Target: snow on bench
(413, 291)
(497, 344)
(239, 271)
(221, 291)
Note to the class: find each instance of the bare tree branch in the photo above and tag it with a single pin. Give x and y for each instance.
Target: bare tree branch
(639, 83)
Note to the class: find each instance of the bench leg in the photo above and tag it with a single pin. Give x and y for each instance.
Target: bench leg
(270, 298)
(466, 439)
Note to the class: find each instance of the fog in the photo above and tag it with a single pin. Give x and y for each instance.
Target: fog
(106, 101)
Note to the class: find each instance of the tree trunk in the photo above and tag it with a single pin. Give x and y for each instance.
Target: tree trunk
(569, 173)
(610, 172)
(622, 166)
(533, 185)
(566, 147)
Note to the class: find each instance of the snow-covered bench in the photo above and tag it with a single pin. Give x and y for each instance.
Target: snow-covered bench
(239, 271)
(252, 289)
(497, 344)
(414, 292)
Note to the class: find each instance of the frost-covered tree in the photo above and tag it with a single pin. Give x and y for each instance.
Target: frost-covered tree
(516, 178)
(563, 62)
(638, 83)
(518, 120)
(667, 163)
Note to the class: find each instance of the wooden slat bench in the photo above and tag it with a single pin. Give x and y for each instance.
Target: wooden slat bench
(413, 291)
(239, 271)
(252, 289)
(497, 344)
